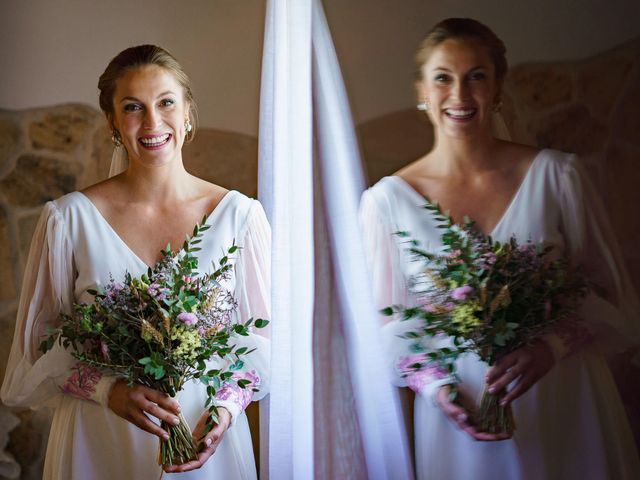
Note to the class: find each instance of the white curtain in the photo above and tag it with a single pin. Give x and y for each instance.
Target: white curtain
(333, 412)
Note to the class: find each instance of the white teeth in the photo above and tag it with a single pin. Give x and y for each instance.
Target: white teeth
(460, 112)
(155, 140)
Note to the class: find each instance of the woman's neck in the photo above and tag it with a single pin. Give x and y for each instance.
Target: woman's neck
(159, 185)
(462, 156)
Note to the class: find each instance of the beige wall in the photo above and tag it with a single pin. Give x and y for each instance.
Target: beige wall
(52, 51)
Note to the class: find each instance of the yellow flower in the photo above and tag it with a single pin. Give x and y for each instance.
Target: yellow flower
(189, 341)
(464, 316)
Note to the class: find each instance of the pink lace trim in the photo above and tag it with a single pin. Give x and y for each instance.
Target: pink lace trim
(230, 391)
(419, 377)
(82, 382)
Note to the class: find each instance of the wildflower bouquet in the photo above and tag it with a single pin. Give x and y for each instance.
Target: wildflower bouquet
(489, 297)
(159, 330)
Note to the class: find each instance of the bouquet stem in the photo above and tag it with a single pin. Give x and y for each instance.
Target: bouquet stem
(179, 448)
(493, 417)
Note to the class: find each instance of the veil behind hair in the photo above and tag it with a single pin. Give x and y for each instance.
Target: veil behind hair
(499, 127)
(119, 161)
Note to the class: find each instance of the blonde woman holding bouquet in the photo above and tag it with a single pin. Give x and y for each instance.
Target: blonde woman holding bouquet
(570, 422)
(102, 428)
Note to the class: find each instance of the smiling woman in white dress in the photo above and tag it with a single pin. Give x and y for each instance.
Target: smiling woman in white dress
(570, 420)
(101, 427)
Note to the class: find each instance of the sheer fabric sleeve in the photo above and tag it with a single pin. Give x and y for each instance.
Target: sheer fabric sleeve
(31, 378)
(390, 288)
(253, 294)
(610, 313)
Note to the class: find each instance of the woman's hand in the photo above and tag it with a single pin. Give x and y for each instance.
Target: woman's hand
(527, 365)
(208, 444)
(462, 418)
(134, 403)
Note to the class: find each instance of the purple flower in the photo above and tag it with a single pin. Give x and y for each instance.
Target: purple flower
(490, 258)
(462, 293)
(188, 318)
(152, 290)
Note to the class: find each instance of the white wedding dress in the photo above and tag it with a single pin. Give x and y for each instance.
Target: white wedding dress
(74, 249)
(571, 425)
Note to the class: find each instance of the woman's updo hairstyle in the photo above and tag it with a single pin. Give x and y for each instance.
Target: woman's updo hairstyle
(463, 28)
(140, 56)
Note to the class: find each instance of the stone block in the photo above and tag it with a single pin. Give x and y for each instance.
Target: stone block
(8, 290)
(626, 123)
(26, 226)
(7, 325)
(10, 136)
(37, 179)
(63, 128)
(571, 129)
(540, 87)
(392, 141)
(228, 159)
(622, 177)
(102, 149)
(28, 442)
(601, 80)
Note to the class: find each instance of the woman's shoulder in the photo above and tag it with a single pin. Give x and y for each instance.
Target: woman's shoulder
(547, 161)
(67, 204)
(384, 188)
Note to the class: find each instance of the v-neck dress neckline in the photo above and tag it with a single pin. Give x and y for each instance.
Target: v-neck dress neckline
(209, 220)
(511, 205)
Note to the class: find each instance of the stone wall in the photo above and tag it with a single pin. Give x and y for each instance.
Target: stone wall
(45, 153)
(588, 107)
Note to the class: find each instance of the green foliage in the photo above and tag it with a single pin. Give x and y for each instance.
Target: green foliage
(162, 329)
(513, 293)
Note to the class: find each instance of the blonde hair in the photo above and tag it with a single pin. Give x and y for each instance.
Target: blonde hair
(140, 56)
(463, 28)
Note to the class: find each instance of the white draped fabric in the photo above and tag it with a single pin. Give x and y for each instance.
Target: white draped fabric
(333, 412)
(286, 190)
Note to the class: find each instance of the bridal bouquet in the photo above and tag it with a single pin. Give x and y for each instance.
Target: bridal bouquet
(160, 329)
(489, 297)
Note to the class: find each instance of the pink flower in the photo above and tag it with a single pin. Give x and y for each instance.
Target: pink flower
(462, 293)
(188, 318)
(104, 349)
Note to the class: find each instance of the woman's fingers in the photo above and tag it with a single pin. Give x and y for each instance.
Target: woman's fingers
(501, 366)
(531, 364)
(163, 400)
(207, 443)
(140, 420)
(134, 403)
(159, 412)
(463, 419)
(213, 438)
(523, 385)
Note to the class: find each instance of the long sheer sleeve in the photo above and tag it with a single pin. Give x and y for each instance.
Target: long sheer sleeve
(32, 378)
(390, 288)
(253, 294)
(610, 314)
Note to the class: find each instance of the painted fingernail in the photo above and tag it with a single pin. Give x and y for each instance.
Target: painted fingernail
(208, 442)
